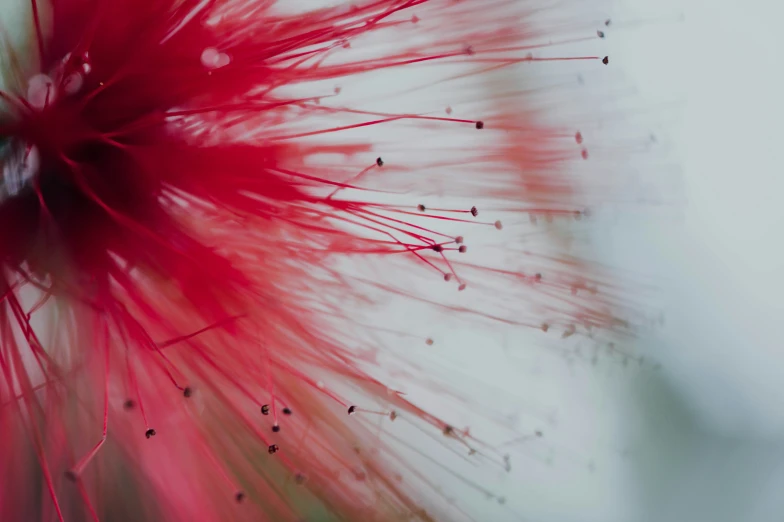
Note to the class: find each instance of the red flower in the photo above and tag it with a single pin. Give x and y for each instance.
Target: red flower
(195, 223)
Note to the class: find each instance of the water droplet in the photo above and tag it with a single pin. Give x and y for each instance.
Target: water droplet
(209, 57)
(223, 60)
(40, 91)
(214, 59)
(73, 83)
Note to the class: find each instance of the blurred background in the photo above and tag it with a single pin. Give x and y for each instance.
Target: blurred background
(705, 432)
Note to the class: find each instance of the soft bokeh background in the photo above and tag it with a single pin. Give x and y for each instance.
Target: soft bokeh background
(707, 431)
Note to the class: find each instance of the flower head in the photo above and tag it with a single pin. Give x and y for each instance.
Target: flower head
(200, 229)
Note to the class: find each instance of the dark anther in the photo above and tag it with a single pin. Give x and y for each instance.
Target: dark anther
(538, 277)
(71, 475)
(480, 125)
(474, 211)
(606, 60)
(265, 409)
(352, 409)
(421, 208)
(286, 411)
(448, 430)
(299, 478)
(600, 34)
(276, 428)
(273, 449)
(607, 22)
(129, 404)
(538, 433)
(239, 497)
(187, 392)
(149, 433)
(462, 249)
(437, 248)
(379, 162)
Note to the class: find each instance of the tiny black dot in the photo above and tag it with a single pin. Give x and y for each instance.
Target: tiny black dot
(379, 162)
(352, 409)
(437, 248)
(286, 411)
(606, 60)
(600, 34)
(273, 449)
(474, 211)
(265, 409)
(240, 496)
(129, 404)
(187, 392)
(149, 433)
(276, 428)
(480, 125)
